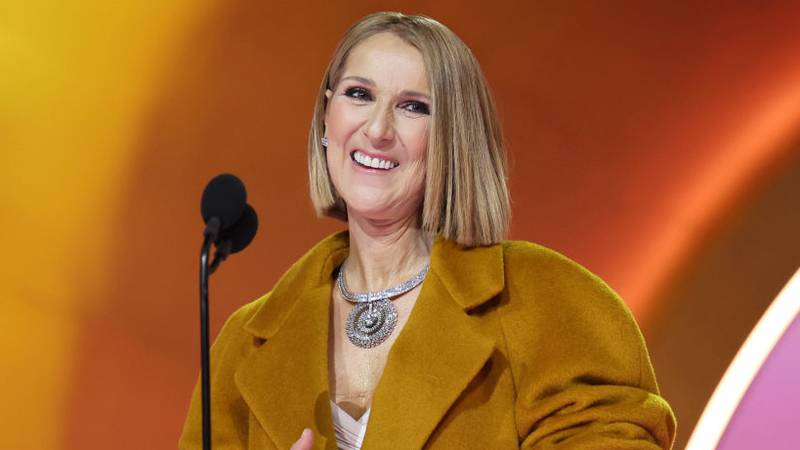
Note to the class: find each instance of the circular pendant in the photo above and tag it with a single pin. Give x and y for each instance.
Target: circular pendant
(369, 324)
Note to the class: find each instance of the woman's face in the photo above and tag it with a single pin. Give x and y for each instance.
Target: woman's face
(377, 122)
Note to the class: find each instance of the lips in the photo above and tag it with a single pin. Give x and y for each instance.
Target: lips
(372, 162)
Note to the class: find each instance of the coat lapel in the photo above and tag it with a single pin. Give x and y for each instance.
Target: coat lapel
(284, 380)
(439, 351)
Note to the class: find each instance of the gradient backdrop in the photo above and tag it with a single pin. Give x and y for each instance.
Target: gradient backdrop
(657, 144)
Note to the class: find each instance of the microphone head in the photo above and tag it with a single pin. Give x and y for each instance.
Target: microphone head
(243, 231)
(224, 197)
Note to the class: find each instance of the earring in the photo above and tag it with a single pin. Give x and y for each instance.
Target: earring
(324, 141)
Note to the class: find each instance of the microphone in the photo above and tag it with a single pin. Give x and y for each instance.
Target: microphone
(237, 237)
(231, 225)
(223, 202)
(241, 234)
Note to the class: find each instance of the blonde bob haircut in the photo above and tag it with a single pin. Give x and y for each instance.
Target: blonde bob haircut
(466, 197)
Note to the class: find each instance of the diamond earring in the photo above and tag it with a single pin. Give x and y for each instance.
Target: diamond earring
(324, 141)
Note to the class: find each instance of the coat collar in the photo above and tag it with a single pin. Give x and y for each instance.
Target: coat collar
(284, 380)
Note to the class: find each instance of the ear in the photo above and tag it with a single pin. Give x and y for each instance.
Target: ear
(328, 95)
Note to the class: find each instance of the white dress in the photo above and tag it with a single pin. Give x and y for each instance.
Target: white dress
(349, 432)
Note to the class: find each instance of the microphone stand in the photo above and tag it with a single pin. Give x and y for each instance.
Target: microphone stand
(210, 235)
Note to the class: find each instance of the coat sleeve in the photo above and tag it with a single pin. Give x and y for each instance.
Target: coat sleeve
(229, 413)
(584, 378)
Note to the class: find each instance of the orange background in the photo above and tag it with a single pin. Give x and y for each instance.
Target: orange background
(658, 145)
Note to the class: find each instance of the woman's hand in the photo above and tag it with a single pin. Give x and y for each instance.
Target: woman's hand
(305, 442)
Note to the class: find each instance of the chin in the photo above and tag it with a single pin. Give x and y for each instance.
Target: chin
(369, 209)
(374, 208)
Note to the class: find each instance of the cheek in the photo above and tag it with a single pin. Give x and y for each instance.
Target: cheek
(338, 128)
(341, 120)
(333, 156)
(416, 139)
(417, 147)
(415, 187)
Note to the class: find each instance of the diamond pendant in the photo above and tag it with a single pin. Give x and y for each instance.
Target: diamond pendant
(374, 316)
(370, 323)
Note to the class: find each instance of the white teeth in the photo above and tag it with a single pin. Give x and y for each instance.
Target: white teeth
(375, 163)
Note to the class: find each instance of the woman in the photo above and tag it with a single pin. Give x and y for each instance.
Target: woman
(504, 345)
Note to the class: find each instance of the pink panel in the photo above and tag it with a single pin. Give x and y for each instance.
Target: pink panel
(768, 416)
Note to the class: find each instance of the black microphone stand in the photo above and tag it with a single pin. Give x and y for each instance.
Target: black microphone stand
(210, 235)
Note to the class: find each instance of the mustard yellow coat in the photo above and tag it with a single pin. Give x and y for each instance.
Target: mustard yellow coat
(509, 346)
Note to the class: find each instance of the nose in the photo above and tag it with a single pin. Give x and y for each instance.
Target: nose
(379, 127)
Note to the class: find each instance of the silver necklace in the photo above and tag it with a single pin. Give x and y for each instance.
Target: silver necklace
(374, 316)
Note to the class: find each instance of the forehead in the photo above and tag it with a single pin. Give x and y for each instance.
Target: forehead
(389, 62)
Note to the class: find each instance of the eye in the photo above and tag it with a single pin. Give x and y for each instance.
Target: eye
(416, 107)
(358, 93)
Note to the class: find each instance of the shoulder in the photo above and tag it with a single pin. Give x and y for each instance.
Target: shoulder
(527, 261)
(553, 304)
(542, 278)
(245, 312)
(233, 332)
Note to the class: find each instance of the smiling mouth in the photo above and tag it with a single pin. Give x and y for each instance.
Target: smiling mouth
(372, 163)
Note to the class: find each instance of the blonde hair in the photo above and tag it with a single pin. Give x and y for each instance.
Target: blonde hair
(466, 196)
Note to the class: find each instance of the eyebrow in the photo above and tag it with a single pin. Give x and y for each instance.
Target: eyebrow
(369, 82)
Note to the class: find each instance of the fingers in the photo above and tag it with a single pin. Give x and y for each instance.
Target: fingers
(305, 442)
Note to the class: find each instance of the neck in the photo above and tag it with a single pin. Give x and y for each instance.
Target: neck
(385, 253)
